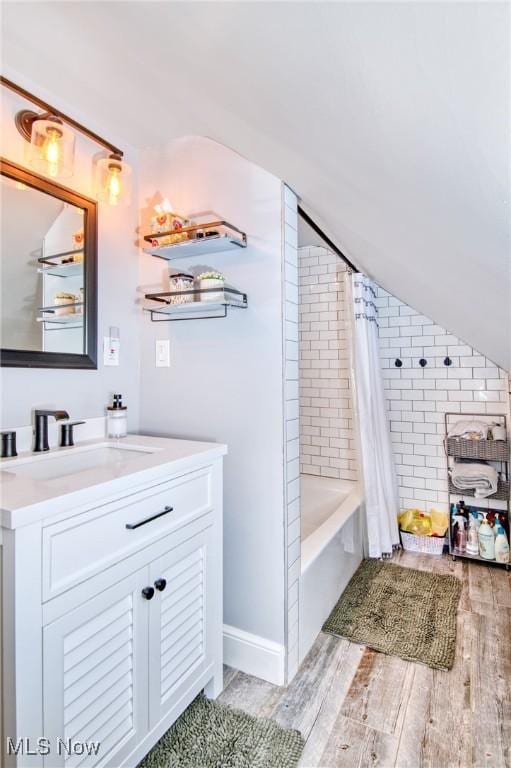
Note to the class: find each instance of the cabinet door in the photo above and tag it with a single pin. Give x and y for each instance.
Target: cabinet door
(180, 650)
(95, 676)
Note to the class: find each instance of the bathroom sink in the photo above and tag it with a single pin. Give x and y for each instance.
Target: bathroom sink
(51, 466)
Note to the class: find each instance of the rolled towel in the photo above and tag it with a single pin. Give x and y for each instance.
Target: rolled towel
(469, 430)
(481, 478)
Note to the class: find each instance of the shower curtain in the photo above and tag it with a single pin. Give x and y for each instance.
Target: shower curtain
(375, 448)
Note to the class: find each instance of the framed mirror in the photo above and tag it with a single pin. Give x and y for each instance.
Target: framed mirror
(48, 273)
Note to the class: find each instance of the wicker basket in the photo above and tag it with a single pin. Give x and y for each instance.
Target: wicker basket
(487, 450)
(432, 545)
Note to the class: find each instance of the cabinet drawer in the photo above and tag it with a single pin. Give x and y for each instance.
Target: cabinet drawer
(75, 549)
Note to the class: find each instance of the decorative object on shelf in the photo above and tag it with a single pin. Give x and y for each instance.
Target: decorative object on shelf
(398, 363)
(207, 282)
(65, 303)
(78, 240)
(478, 463)
(200, 239)
(79, 307)
(181, 284)
(165, 219)
(52, 143)
(423, 362)
(447, 361)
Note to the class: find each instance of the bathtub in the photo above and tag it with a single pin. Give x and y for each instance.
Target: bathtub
(331, 549)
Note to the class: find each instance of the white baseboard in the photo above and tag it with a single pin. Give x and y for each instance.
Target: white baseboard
(254, 655)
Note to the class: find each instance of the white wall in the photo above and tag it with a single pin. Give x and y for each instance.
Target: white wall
(418, 398)
(327, 441)
(82, 393)
(225, 381)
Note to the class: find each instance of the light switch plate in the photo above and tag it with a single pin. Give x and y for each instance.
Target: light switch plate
(162, 350)
(111, 348)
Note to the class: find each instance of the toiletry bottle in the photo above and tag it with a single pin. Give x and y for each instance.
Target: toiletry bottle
(501, 545)
(117, 418)
(460, 541)
(453, 525)
(486, 540)
(472, 536)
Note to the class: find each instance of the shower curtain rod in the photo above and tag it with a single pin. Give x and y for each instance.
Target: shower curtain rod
(312, 224)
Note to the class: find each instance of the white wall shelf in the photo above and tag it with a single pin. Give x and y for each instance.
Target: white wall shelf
(194, 304)
(197, 240)
(72, 319)
(71, 269)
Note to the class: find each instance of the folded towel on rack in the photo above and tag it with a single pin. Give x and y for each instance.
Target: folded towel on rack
(469, 430)
(481, 478)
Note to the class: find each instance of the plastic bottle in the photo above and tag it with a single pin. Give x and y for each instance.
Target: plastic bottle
(460, 540)
(486, 540)
(501, 545)
(472, 536)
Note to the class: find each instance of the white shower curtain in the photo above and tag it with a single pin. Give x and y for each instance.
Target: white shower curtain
(375, 448)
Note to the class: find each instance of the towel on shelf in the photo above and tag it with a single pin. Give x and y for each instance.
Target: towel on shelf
(481, 478)
(469, 430)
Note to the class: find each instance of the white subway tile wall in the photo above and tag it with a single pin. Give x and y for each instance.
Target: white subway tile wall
(327, 443)
(418, 398)
(291, 425)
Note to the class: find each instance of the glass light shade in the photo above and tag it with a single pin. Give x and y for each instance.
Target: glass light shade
(113, 181)
(52, 148)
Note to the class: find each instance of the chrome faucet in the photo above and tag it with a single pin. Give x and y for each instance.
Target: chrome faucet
(41, 427)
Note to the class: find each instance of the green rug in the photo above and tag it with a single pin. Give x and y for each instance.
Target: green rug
(211, 735)
(400, 611)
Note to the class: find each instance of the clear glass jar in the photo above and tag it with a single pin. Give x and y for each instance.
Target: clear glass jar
(181, 282)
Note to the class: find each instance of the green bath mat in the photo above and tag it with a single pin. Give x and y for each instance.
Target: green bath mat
(211, 735)
(400, 611)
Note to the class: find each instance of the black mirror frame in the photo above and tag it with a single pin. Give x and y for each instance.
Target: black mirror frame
(19, 358)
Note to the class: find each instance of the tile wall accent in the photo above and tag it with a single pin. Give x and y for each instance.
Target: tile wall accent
(291, 426)
(418, 398)
(327, 444)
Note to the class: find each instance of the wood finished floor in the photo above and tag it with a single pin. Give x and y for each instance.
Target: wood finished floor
(356, 707)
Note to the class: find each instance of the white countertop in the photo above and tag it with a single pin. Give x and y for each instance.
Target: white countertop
(25, 499)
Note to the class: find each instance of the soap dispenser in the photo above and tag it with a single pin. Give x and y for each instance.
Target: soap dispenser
(486, 540)
(472, 536)
(117, 418)
(501, 545)
(460, 541)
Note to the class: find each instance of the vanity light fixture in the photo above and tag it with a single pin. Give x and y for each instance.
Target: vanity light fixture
(52, 141)
(52, 144)
(113, 180)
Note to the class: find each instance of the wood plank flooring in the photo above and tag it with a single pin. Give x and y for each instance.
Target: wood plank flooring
(357, 708)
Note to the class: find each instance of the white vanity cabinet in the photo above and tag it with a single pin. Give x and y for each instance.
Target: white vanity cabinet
(112, 622)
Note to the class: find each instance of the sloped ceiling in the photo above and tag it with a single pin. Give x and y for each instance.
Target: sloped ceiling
(390, 121)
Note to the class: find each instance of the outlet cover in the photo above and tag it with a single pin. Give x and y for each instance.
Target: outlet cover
(162, 353)
(111, 349)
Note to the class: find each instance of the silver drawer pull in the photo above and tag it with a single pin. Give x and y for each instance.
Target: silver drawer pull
(165, 511)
